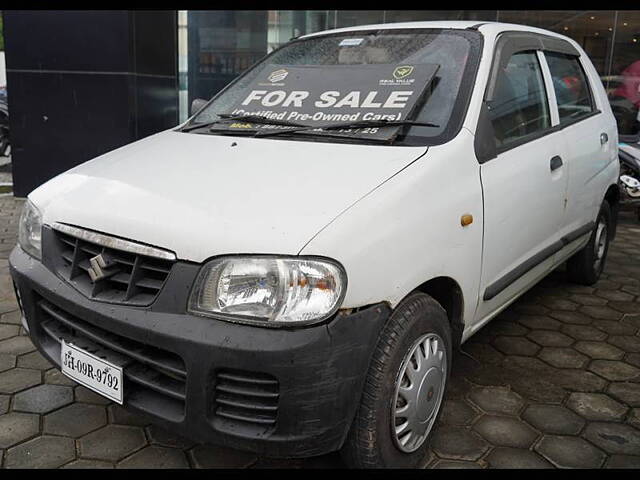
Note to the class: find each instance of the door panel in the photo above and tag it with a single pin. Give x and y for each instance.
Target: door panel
(524, 187)
(524, 206)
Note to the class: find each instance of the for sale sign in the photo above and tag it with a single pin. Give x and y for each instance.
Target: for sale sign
(325, 95)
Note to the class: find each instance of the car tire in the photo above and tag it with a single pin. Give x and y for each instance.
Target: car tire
(418, 322)
(585, 266)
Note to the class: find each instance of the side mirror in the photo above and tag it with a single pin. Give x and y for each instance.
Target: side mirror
(197, 105)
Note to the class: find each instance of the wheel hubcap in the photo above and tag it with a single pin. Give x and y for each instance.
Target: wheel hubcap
(600, 244)
(418, 393)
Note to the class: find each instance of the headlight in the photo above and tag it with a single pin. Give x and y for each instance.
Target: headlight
(30, 230)
(269, 290)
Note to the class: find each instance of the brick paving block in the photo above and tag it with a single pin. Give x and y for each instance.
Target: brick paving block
(515, 346)
(41, 452)
(119, 415)
(7, 361)
(457, 412)
(86, 463)
(8, 331)
(570, 452)
(16, 379)
(553, 419)
(12, 316)
(625, 307)
(207, 456)
(548, 338)
(614, 295)
(633, 319)
(633, 359)
(583, 332)
(614, 370)
(458, 443)
(56, 377)
(4, 404)
(506, 327)
(539, 322)
(164, 438)
(75, 420)
(483, 353)
(34, 360)
(155, 457)
(599, 350)
(614, 327)
(626, 343)
(16, 427)
(634, 418)
(89, 396)
(584, 299)
(623, 461)
(572, 318)
(505, 431)
(555, 303)
(113, 442)
(532, 364)
(43, 398)
(614, 437)
(497, 400)
(563, 357)
(506, 457)
(596, 406)
(453, 464)
(626, 392)
(16, 345)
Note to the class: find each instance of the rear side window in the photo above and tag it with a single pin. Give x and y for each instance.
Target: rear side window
(519, 109)
(571, 87)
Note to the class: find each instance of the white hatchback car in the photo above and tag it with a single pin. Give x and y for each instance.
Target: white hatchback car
(290, 270)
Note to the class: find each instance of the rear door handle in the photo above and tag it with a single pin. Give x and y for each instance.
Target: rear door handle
(556, 162)
(604, 138)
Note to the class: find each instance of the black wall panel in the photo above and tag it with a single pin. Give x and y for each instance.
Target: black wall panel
(82, 83)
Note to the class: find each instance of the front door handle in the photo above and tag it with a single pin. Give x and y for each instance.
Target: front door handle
(556, 162)
(604, 138)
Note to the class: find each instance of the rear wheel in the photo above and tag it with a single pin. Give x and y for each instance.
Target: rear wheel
(586, 266)
(404, 388)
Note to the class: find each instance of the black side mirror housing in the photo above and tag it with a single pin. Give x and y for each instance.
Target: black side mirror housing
(197, 105)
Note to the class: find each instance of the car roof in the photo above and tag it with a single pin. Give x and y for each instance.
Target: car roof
(490, 28)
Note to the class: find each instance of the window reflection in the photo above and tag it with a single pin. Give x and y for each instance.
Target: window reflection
(216, 46)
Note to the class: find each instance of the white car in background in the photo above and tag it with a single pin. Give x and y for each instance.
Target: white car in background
(290, 271)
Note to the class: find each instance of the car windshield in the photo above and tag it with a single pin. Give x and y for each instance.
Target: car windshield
(405, 86)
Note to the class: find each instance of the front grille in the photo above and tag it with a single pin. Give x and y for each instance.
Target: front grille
(248, 397)
(130, 277)
(154, 379)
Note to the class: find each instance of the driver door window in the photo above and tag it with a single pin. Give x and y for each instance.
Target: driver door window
(519, 110)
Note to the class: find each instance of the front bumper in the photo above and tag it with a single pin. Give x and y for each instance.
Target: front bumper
(301, 387)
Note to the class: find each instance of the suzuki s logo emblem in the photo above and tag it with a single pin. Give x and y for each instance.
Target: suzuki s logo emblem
(402, 72)
(278, 75)
(101, 267)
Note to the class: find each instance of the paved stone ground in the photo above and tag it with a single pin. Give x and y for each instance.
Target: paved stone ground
(554, 381)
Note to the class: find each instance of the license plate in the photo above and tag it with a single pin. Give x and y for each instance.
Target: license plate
(85, 368)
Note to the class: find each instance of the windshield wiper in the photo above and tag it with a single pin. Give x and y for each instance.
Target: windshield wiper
(227, 117)
(338, 126)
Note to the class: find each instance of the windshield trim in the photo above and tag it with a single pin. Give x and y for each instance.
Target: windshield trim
(461, 104)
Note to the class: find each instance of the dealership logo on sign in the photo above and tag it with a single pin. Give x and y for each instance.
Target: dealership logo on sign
(278, 75)
(402, 72)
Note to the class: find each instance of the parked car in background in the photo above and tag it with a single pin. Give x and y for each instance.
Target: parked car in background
(317, 239)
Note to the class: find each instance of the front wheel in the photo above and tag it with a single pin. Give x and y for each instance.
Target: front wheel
(586, 266)
(404, 388)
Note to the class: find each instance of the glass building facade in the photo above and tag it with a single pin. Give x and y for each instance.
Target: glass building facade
(214, 47)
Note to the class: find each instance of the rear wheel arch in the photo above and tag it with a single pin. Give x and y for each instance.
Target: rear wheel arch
(612, 197)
